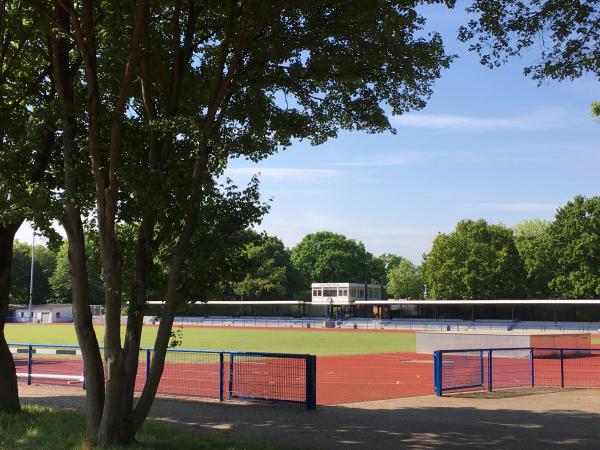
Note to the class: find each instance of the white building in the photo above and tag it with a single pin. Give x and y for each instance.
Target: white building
(42, 313)
(345, 293)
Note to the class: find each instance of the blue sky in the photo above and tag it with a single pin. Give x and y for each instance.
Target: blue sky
(490, 144)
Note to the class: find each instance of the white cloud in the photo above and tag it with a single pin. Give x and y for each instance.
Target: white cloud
(387, 159)
(537, 119)
(514, 207)
(286, 173)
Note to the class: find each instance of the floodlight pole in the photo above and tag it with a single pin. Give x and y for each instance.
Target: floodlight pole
(31, 275)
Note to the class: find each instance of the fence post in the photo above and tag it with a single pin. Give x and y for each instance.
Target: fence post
(221, 376)
(147, 363)
(532, 367)
(437, 367)
(481, 378)
(29, 363)
(562, 368)
(230, 388)
(311, 382)
(490, 377)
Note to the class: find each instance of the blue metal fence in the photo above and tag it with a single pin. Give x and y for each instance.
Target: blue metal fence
(223, 375)
(501, 368)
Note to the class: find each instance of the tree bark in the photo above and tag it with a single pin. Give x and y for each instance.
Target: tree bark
(9, 393)
(71, 221)
(157, 156)
(105, 166)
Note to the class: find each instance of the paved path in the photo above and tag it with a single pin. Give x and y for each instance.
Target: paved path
(551, 420)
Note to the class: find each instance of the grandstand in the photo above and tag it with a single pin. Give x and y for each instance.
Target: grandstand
(441, 315)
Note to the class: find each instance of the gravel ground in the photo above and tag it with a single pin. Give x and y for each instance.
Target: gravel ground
(545, 420)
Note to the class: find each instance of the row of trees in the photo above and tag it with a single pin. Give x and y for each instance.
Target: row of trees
(534, 259)
(257, 267)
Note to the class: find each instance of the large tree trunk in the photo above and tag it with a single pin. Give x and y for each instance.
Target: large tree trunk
(9, 394)
(86, 336)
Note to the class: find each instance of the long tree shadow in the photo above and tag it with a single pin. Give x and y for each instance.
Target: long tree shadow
(407, 427)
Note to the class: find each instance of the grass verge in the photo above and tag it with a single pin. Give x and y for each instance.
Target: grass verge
(58, 429)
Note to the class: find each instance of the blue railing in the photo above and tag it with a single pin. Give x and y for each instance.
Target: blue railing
(250, 376)
(502, 368)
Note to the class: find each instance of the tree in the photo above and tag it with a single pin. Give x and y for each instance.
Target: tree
(475, 261)
(329, 257)
(267, 277)
(405, 281)
(184, 88)
(218, 259)
(44, 266)
(27, 143)
(60, 281)
(532, 238)
(575, 239)
(390, 261)
(566, 31)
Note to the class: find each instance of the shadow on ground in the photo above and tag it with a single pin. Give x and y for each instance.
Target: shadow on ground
(414, 427)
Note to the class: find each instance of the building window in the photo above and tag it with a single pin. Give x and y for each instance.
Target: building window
(343, 293)
(58, 315)
(22, 314)
(329, 292)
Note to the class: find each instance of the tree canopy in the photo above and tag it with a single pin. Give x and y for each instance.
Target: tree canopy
(268, 268)
(575, 240)
(532, 238)
(405, 281)
(565, 32)
(60, 281)
(44, 267)
(330, 257)
(476, 261)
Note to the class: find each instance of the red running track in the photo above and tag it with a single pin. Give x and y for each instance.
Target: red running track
(340, 379)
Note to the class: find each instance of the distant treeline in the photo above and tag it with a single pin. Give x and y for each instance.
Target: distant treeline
(478, 260)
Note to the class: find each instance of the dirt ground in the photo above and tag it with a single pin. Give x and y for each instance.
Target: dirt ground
(545, 420)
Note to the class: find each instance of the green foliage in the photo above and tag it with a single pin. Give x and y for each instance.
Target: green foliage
(60, 281)
(532, 238)
(267, 276)
(217, 260)
(44, 266)
(566, 31)
(405, 281)
(476, 261)
(575, 239)
(28, 173)
(329, 257)
(596, 109)
(390, 261)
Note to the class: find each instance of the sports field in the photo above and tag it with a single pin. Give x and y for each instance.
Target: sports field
(314, 342)
(352, 366)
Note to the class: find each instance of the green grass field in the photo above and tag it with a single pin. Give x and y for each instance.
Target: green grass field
(314, 342)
